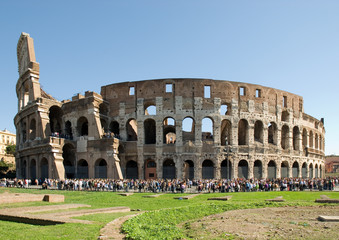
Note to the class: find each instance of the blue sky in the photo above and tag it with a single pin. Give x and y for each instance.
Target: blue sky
(83, 45)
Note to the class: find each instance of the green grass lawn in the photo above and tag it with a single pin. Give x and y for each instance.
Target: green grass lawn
(154, 223)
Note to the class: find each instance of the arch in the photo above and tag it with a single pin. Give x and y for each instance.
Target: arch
(188, 169)
(82, 126)
(82, 169)
(225, 109)
(132, 170)
(23, 169)
(316, 172)
(257, 169)
(284, 169)
(320, 171)
(23, 132)
(32, 129)
(103, 109)
(188, 129)
(33, 169)
(150, 110)
(285, 116)
(150, 169)
(168, 169)
(243, 132)
(226, 169)
(311, 174)
(207, 169)
(304, 140)
(103, 123)
(304, 170)
(296, 138)
(169, 133)
(272, 133)
(207, 129)
(243, 169)
(226, 132)
(311, 139)
(271, 170)
(44, 168)
(150, 131)
(320, 142)
(285, 137)
(68, 154)
(101, 168)
(295, 169)
(259, 131)
(316, 141)
(68, 130)
(114, 128)
(55, 119)
(132, 130)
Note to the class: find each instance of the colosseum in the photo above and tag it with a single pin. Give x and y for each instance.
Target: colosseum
(164, 128)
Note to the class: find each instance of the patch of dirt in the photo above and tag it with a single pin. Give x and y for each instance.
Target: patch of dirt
(267, 223)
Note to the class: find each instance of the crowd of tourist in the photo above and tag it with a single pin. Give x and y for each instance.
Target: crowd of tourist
(177, 185)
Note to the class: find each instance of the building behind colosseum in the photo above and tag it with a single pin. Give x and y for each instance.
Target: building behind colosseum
(166, 128)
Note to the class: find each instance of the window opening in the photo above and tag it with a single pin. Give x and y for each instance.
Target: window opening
(207, 92)
(258, 93)
(169, 87)
(131, 91)
(242, 91)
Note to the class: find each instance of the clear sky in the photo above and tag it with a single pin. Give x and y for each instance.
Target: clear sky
(83, 45)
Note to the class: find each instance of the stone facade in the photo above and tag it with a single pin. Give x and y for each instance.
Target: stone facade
(166, 128)
(6, 138)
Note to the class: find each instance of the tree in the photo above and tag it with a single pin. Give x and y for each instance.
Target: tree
(10, 149)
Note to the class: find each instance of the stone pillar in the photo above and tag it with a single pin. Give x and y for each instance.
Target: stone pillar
(289, 168)
(264, 168)
(250, 169)
(278, 169)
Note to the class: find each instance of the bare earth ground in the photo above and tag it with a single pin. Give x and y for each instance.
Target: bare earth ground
(267, 223)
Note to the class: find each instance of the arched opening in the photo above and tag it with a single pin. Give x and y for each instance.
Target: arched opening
(311, 139)
(44, 168)
(226, 131)
(295, 170)
(169, 131)
(272, 133)
(316, 145)
(132, 130)
(207, 169)
(285, 116)
(225, 109)
(296, 138)
(55, 120)
(284, 137)
(226, 169)
(320, 142)
(304, 140)
(82, 126)
(259, 131)
(68, 130)
(104, 126)
(23, 132)
(284, 170)
(132, 170)
(82, 169)
(311, 175)
(243, 169)
(103, 109)
(243, 132)
(320, 171)
(150, 169)
(188, 129)
(304, 170)
(316, 171)
(207, 129)
(33, 169)
(151, 110)
(271, 170)
(32, 130)
(68, 154)
(150, 131)
(168, 169)
(188, 169)
(257, 169)
(23, 169)
(100, 168)
(114, 128)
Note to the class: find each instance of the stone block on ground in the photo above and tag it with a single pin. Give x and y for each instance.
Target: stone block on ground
(277, 199)
(54, 198)
(152, 196)
(125, 194)
(328, 218)
(187, 197)
(225, 198)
